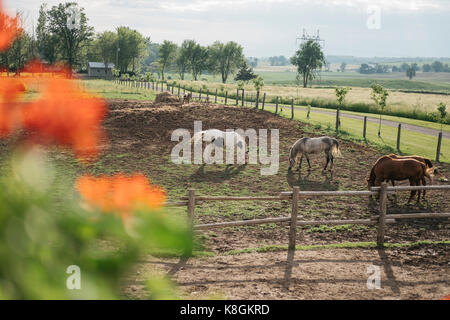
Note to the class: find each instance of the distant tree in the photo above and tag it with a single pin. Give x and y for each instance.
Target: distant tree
(278, 61)
(395, 69)
(426, 68)
(245, 74)
(182, 59)
(411, 72)
(343, 66)
(72, 38)
(365, 69)
(47, 43)
(105, 46)
(198, 58)
(379, 96)
(252, 62)
(437, 66)
(258, 83)
(167, 52)
(308, 60)
(133, 49)
(340, 95)
(225, 59)
(404, 67)
(442, 113)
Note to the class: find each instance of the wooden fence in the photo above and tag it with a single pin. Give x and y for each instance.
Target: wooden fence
(296, 196)
(243, 99)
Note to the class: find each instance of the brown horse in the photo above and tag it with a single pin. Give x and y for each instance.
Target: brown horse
(388, 169)
(425, 161)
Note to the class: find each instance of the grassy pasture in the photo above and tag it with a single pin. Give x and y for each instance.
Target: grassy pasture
(408, 105)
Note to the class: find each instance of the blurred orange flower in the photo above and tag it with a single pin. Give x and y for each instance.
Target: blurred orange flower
(66, 115)
(10, 91)
(9, 29)
(120, 193)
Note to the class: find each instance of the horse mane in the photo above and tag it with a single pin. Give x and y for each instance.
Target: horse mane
(429, 163)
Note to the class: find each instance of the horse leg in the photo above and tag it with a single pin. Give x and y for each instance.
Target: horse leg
(309, 163)
(301, 161)
(413, 193)
(424, 183)
(328, 161)
(332, 162)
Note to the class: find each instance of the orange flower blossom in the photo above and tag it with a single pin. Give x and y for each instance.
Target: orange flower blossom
(120, 193)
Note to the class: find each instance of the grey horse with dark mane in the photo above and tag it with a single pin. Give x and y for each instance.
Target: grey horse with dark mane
(306, 146)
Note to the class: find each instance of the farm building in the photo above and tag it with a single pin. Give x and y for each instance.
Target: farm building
(98, 70)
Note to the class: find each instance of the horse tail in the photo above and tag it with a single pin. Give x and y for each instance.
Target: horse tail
(335, 151)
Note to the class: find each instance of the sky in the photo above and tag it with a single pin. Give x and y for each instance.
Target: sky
(362, 28)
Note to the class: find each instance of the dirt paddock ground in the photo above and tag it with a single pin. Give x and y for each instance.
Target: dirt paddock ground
(417, 273)
(139, 140)
(406, 273)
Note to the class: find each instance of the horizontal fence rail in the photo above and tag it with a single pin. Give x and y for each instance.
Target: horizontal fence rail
(296, 196)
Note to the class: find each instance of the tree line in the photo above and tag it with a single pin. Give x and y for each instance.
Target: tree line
(63, 35)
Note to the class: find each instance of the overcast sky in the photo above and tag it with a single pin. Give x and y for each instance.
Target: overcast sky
(383, 28)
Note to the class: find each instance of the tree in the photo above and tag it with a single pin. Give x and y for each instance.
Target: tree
(245, 74)
(167, 52)
(411, 72)
(198, 58)
(225, 59)
(106, 46)
(426, 68)
(182, 59)
(379, 96)
(308, 60)
(340, 95)
(437, 66)
(442, 113)
(258, 83)
(343, 66)
(68, 23)
(252, 62)
(47, 43)
(133, 49)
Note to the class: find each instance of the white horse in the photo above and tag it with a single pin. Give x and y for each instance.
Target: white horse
(221, 139)
(306, 146)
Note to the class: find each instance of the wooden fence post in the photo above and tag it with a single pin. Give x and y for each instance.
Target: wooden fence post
(292, 109)
(276, 108)
(438, 151)
(215, 99)
(398, 136)
(191, 211)
(292, 236)
(226, 97)
(264, 101)
(200, 96)
(243, 98)
(382, 218)
(365, 128)
(237, 97)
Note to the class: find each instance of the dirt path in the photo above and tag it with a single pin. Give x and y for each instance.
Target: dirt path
(322, 274)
